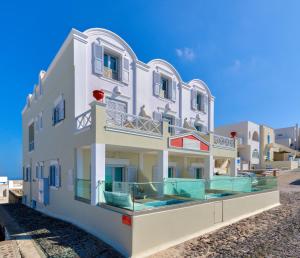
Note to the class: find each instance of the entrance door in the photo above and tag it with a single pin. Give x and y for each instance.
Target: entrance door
(113, 174)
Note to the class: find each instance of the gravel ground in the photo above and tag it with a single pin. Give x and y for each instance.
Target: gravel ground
(273, 233)
(58, 238)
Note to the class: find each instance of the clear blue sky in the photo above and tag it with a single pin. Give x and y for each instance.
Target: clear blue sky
(246, 51)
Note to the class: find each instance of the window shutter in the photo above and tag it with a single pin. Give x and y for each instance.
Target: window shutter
(98, 58)
(125, 72)
(57, 175)
(53, 116)
(131, 174)
(41, 171)
(194, 99)
(156, 83)
(205, 104)
(37, 171)
(192, 172)
(61, 112)
(157, 116)
(174, 84)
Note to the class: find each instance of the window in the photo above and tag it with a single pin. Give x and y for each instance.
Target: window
(171, 172)
(269, 139)
(111, 66)
(164, 88)
(199, 101)
(255, 136)
(31, 137)
(255, 154)
(58, 112)
(54, 175)
(170, 120)
(26, 174)
(198, 173)
(39, 170)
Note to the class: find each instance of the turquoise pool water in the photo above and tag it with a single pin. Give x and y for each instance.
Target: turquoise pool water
(164, 203)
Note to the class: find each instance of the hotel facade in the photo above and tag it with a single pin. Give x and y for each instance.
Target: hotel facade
(124, 149)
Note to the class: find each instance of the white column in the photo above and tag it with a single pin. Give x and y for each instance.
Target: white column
(209, 167)
(163, 164)
(97, 170)
(233, 167)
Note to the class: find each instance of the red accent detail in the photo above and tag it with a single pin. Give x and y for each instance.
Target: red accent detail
(233, 134)
(178, 142)
(126, 220)
(98, 95)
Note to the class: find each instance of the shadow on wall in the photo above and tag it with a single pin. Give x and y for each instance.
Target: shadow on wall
(56, 237)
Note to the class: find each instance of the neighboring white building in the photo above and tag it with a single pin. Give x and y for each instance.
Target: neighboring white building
(248, 135)
(288, 136)
(112, 166)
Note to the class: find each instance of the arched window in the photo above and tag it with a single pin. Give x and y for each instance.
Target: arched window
(255, 136)
(255, 154)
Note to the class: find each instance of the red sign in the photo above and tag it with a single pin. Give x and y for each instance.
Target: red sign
(190, 142)
(126, 220)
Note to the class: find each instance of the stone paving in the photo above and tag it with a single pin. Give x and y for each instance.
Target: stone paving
(8, 249)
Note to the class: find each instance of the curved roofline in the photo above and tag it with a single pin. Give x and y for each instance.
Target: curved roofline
(202, 83)
(168, 64)
(91, 30)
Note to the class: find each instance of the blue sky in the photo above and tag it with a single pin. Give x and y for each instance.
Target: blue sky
(246, 51)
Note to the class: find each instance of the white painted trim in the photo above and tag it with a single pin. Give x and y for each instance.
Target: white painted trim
(121, 162)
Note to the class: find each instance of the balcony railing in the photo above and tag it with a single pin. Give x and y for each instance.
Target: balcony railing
(83, 189)
(222, 141)
(133, 123)
(177, 130)
(84, 120)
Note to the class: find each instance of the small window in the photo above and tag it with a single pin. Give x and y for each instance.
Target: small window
(198, 173)
(171, 172)
(54, 175)
(164, 89)
(58, 112)
(31, 137)
(111, 66)
(39, 170)
(27, 174)
(170, 120)
(199, 100)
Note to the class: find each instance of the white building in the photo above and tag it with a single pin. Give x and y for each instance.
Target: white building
(248, 141)
(288, 136)
(112, 166)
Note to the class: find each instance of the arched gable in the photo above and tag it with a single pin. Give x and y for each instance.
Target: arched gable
(202, 83)
(167, 64)
(100, 31)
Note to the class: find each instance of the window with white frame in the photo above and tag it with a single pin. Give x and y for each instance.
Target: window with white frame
(54, 175)
(164, 88)
(27, 173)
(39, 170)
(199, 101)
(58, 113)
(31, 137)
(199, 172)
(111, 66)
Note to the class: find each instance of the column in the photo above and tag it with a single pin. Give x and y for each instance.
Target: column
(209, 167)
(163, 164)
(97, 170)
(233, 167)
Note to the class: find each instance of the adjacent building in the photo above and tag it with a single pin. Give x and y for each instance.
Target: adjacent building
(259, 148)
(110, 142)
(288, 136)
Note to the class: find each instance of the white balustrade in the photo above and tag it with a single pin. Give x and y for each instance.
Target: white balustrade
(84, 120)
(222, 141)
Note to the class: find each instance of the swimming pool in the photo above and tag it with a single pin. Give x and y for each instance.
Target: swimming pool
(164, 203)
(217, 195)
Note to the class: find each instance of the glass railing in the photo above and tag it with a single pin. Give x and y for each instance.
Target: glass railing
(151, 195)
(83, 189)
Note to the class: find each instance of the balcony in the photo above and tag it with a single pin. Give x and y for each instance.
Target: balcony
(223, 142)
(132, 123)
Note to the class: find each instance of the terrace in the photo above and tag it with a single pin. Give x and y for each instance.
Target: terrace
(136, 197)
